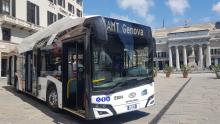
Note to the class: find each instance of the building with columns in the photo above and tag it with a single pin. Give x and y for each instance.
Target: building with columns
(197, 46)
(21, 18)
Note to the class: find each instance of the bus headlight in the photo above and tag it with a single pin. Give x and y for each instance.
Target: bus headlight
(144, 92)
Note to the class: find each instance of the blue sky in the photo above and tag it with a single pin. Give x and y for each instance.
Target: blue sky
(153, 12)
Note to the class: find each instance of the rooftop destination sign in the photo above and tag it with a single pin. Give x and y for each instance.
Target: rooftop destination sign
(115, 26)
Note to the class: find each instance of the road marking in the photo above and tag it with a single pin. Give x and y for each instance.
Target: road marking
(157, 118)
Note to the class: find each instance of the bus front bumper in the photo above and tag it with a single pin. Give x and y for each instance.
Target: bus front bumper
(103, 110)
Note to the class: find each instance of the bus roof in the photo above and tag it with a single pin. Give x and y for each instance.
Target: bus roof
(61, 25)
(65, 23)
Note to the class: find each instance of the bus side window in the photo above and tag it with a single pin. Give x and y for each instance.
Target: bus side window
(51, 62)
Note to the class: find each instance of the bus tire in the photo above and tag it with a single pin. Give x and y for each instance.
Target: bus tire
(52, 98)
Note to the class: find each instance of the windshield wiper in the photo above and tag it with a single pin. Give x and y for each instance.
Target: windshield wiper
(120, 85)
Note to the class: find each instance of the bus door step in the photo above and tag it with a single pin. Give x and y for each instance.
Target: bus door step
(80, 113)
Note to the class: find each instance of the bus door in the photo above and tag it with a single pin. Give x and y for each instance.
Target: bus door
(14, 71)
(28, 71)
(10, 71)
(35, 68)
(75, 76)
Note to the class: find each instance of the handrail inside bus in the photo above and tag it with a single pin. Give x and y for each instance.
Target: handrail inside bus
(98, 80)
(68, 87)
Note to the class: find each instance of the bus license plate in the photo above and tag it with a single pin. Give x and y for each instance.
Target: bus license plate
(132, 107)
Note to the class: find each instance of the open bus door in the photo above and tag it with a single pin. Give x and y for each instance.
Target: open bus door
(35, 67)
(73, 74)
(10, 70)
(12, 63)
(15, 80)
(28, 71)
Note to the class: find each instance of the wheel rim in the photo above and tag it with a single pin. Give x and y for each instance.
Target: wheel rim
(53, 98)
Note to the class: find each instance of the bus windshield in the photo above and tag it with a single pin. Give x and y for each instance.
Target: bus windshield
(123, 59)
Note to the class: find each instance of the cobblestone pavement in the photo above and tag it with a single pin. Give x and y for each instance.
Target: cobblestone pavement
(197, 103)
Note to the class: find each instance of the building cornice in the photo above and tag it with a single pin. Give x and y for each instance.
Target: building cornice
(7, 46)
(189, 38)
(163, 32)
(15, 22)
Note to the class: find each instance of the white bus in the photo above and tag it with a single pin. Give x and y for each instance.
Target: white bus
(94, 67)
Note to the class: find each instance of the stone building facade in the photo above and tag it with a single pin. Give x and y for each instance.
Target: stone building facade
(197, 46)
(21, 18)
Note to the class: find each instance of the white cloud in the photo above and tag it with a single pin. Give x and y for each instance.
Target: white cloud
(140, 7)
(216, 7)
(122, 17)
(178, 7)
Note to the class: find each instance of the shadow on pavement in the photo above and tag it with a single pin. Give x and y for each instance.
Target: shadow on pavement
(120, 119)
(68, 118)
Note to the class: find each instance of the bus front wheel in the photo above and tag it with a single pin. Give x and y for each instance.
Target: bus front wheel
(52, 98)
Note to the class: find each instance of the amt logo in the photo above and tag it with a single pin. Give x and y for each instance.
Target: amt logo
(103, 99)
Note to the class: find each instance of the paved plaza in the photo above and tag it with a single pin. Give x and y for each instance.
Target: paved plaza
(194, 100)
(198, 103)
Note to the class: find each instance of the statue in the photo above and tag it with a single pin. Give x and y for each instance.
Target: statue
(192, 62)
